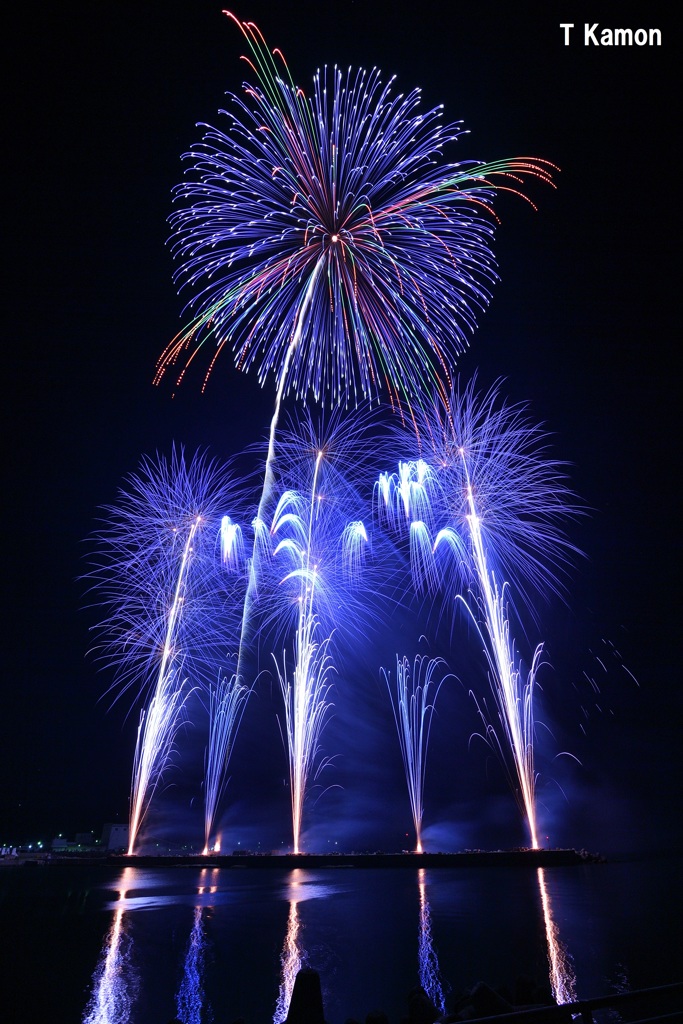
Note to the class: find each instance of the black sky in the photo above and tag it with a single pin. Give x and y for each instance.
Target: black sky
(102, 101)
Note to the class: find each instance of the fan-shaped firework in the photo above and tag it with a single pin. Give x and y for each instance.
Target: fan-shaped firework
(320, 501)
(473, 445)
(491, 501)
(319, 558)
(327, 240)
(157, 569)
(227, 702)
(135, 561)
(413, 713)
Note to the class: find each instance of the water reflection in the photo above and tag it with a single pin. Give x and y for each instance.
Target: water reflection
(293, 955)
(154, 960)
(562, 977)
(428, 963)
(115, 983)
(190, 998)
(192, 1006)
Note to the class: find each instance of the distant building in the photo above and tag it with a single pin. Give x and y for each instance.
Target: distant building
(115, 837)
(84, 842)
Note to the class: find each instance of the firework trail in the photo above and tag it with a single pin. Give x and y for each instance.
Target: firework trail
(316, 579)
(495, 501)
(492, 462)
(512, 694)
(227, 702)
(513, 697)
(413, 713)
(159, 724)
(328, 243)
(157, 571)
(304, 693)
(160, 721)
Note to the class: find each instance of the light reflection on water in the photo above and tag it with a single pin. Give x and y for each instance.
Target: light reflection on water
(292, 960)
(115, 982)
(191, 999)
(300, 887)
(152, 902)
(192, 1006)
(238, 950)
(304, 885)
(562, 979)
(430, 976)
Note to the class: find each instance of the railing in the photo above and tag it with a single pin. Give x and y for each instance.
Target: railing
(661, 1005)
(644, 1006)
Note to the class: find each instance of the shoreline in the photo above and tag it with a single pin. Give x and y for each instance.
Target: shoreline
(289, 861)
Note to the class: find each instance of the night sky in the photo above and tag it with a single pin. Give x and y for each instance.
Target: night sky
(103, 101)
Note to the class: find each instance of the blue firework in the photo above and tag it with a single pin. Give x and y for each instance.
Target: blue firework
(471, 445)
(166, 526)
(171, 610)
(327, 241)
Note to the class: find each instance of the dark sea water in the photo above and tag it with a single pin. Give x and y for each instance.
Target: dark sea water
(140, 946)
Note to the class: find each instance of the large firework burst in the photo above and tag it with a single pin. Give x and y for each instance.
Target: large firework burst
(326, 239)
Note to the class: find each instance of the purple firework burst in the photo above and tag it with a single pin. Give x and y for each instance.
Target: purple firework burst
(326, 240)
